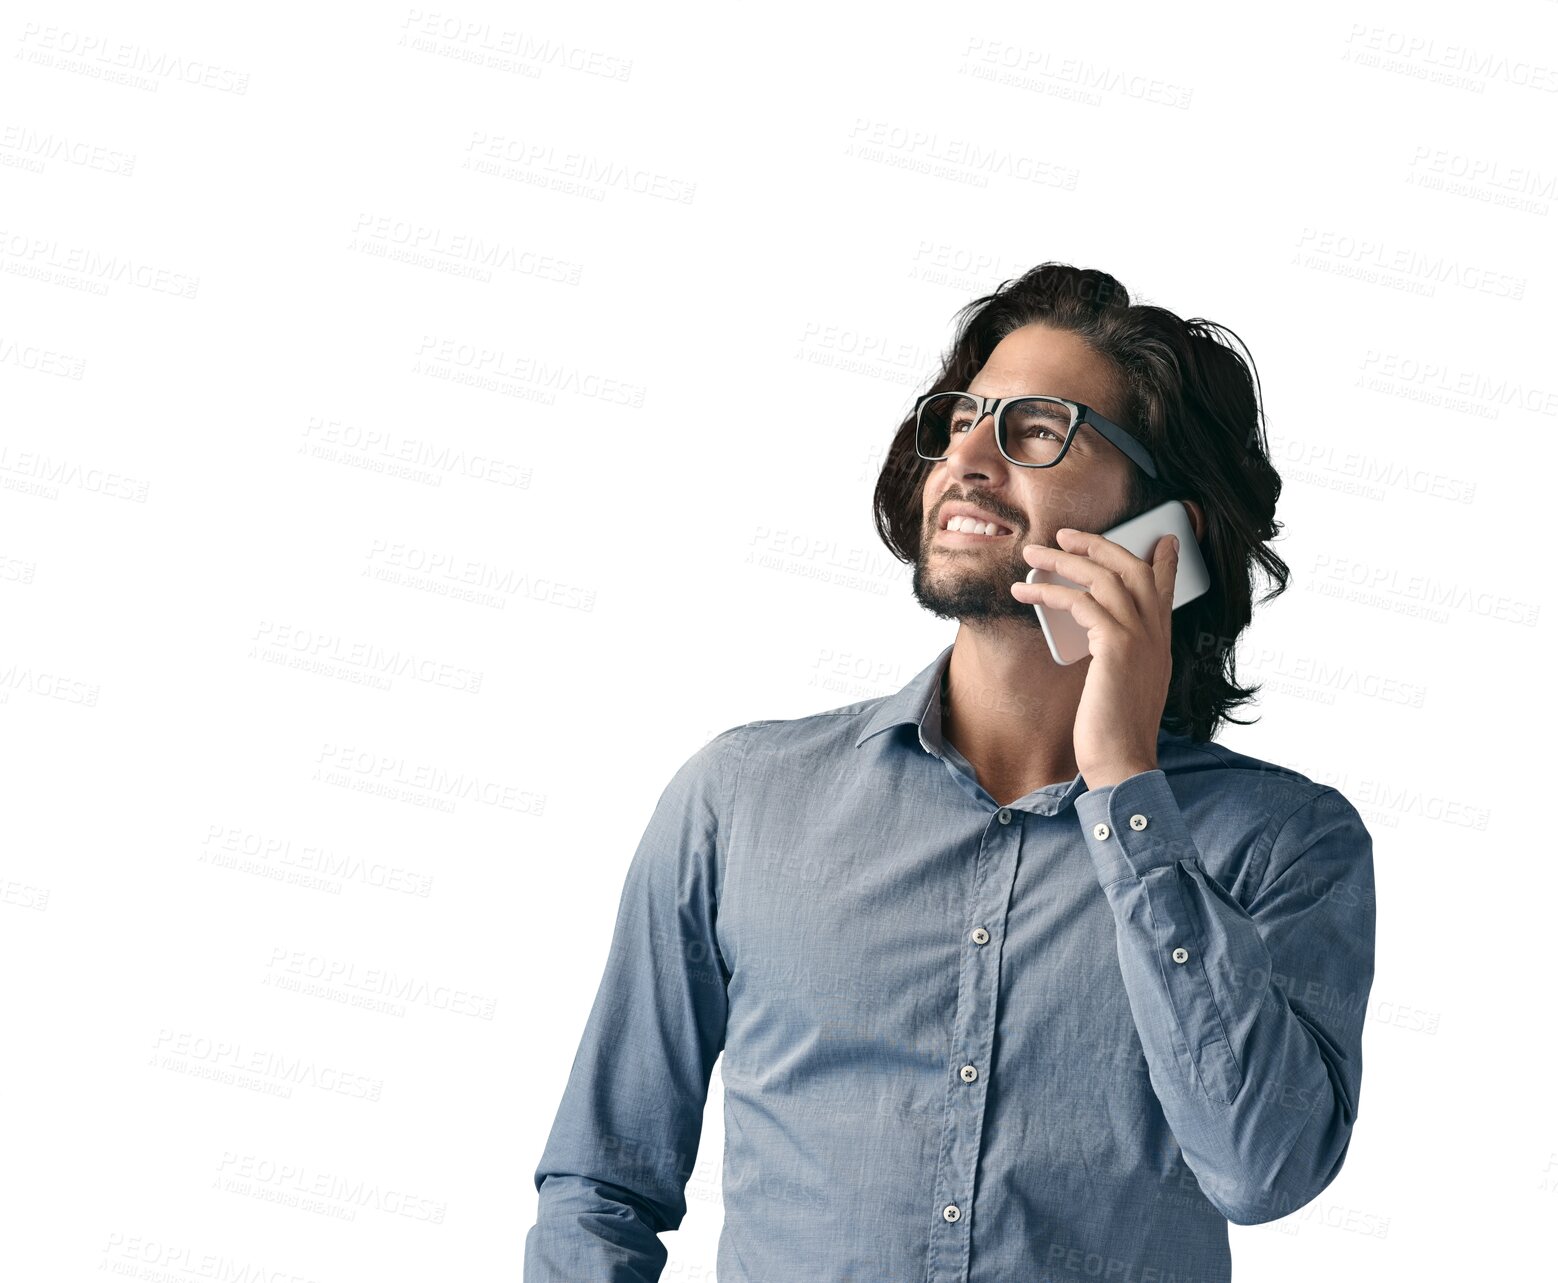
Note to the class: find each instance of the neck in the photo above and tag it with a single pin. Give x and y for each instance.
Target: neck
(1009, 708)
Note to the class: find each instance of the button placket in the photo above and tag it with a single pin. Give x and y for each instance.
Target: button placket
(973, 1041)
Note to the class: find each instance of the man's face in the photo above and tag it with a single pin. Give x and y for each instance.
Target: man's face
(969, 576)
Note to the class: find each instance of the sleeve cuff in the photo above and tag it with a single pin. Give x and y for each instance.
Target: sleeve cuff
(1133, 827)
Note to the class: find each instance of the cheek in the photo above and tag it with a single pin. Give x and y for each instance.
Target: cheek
(1073, 499)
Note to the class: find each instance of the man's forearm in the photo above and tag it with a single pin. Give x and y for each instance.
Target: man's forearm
(1259, 1089)
(589, 1229)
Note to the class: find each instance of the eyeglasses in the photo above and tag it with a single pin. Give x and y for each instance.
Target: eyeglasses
(1031, 431)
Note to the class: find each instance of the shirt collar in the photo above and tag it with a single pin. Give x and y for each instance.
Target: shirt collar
(918, 704)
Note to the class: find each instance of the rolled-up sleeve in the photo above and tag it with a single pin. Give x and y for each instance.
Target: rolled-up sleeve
(1251, 1020)
(613, 1174)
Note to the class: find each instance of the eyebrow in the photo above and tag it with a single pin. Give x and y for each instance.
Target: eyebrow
(1085, 430)
(1013, 396)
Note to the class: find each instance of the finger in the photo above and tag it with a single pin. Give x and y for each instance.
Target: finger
(1165, 565)
(1086, 609)
(1104, 585)
(1126, 566)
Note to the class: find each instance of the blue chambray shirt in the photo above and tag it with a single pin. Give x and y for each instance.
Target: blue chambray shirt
(1065, 1039)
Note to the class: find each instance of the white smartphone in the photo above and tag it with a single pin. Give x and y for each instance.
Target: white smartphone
(1139, 536)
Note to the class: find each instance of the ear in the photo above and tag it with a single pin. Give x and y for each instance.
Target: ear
(1197, 518)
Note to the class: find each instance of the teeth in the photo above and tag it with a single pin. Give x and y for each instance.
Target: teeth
(968, 526)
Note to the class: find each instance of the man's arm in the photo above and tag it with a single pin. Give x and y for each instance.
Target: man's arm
(613, 1174)
(1251, 1022)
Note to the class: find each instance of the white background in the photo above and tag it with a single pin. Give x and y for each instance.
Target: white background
(393, 479)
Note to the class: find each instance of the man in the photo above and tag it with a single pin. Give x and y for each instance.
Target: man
(1016, 974)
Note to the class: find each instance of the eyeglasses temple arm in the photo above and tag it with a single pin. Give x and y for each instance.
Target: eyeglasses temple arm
(1123, 441)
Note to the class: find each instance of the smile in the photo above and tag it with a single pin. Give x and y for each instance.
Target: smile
(972, 526)
(969, 536)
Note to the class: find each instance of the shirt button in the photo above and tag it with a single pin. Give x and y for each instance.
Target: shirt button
(1100, 831)
(968, 1073)
(1004, 815)
(950, 1212)
(1138, 822)
(1179, 955)
(979, 935)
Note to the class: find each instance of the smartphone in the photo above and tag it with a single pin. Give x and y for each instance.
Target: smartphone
(1139, 536)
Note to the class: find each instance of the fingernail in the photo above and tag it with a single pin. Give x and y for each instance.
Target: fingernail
(1174, 539)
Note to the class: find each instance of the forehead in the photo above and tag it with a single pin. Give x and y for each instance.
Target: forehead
(1038, 360)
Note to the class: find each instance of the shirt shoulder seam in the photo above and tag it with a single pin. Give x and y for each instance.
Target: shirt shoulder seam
(1276, 829)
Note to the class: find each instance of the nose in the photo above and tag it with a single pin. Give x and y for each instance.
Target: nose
(976, 450)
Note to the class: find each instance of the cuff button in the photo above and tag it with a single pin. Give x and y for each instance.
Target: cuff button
(1138, 822)
(1100, 831)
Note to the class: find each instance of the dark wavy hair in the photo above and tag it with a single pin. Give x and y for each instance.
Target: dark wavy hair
(1192, 400)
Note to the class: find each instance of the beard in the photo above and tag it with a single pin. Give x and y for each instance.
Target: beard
(972, 582)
